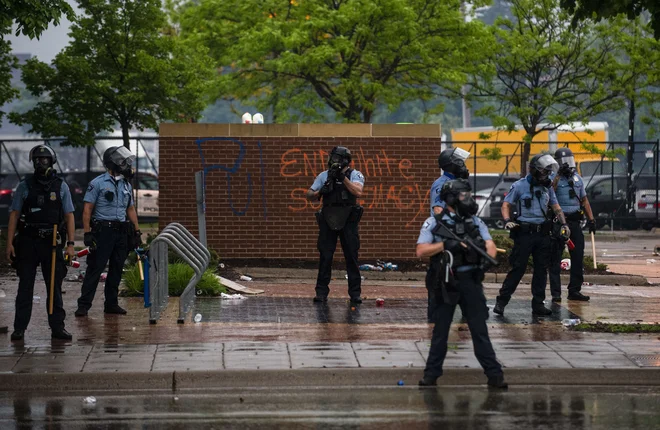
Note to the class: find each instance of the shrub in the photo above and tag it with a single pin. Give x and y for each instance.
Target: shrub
(179, 275)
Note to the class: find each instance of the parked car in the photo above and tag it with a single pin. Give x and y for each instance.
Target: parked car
(145, 193)
(647, 206)
(490, 201)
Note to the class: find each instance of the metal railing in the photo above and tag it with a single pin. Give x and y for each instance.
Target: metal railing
(191, 251)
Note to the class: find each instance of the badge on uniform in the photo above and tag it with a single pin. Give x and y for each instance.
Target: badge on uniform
(53, 196)
(576, 179)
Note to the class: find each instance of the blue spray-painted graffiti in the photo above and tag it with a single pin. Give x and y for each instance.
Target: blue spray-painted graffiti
(233, 170)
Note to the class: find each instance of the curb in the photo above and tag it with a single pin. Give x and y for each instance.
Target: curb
(17, 382)
(264, 273)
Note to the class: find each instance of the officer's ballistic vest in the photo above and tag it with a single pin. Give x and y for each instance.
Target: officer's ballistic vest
(340, 196)
(462, 229)
(43, 206)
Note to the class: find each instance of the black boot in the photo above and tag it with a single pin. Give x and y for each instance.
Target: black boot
(556, 299)
(428, 382)
(497, 382)
(17, 335)
(61, 334)
(319, 299)
(499, 308)
(541, 310)
(81, 312)
(578, 296)
(115, 309)
(356, 300)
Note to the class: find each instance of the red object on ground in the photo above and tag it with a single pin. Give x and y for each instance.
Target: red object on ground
(571, 245)
(83, 252)
(380, 302)
(75, 264)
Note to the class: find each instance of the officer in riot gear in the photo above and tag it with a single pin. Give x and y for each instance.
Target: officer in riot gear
(456, 273)
(41, 208)
(531, 232)
(452, 163)
(108, 206)
(339, 188)
(572, 197)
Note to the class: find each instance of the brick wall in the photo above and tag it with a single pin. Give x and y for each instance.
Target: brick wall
(255, 185)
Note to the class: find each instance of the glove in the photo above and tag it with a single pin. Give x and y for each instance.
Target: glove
(510, 225)
(89, 240)
(592, 226)
(452, 245)
(137, 239)
(565, 232)
(326, 188)
(340, 176)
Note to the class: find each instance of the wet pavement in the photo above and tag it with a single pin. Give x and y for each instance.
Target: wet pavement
(559, 407)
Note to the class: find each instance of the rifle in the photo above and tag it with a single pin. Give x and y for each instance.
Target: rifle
(446, 232)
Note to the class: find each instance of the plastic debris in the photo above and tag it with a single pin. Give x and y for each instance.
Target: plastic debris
(89, 401)
(380, 302)
(199, 292)
(36, 299)
(245, 278)
(400, 383)
(3, 294)
(346, 277)
(198, 318)
(176, 399)
(565, 264)
(370, 267)
(587, 284)
(570, 322)
(651, 261)
(410, 364)
(232, 296)
(388, 265)
(222, 265)
(133, 329)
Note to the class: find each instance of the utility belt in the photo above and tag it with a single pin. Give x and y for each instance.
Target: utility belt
(575, 216)
(529, 228)
(37, 231)
(114, 225)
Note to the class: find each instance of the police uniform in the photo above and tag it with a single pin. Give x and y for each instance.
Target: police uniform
(570, 192)
(532, 237)
(339, 207)
(42, 204)
(467, 291)
(436, 188)
(111, 199)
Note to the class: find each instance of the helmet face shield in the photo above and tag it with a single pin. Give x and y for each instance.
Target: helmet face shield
(569, 161)
(546, 165)
(460, 154)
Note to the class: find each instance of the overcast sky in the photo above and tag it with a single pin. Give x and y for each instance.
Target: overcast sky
(52, 41)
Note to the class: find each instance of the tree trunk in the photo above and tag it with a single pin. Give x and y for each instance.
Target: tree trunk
(367, 114)
(125, 136)
(524, 155)
(629, 156)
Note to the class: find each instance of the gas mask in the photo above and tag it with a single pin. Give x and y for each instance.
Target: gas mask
(567, 166)
(466, 206)
(43, 167)
(541, 167)
(453, 161)
(120, 160)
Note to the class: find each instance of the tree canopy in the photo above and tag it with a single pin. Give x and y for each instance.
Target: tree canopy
(119, 69)
(606, 9)
(542, 73)
(297, 57)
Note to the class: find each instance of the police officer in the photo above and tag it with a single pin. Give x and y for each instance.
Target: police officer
(531, 232)
(452, 163)
(456, 272)
(108, 202)
(41, 201)
(573, 200)
(338, 187)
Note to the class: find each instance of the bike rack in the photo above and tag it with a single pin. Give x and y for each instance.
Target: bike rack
(191, 251)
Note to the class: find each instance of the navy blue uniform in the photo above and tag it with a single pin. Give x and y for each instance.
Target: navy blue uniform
(570, 192)
(532, 237)
(473, 305)
(111, 199)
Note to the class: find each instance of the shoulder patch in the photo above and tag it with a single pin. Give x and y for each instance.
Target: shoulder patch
(359, 175)
(512, 187)
(427, 225)
(90, 187)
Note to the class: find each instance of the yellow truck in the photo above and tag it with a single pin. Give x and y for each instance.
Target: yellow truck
(481, 141)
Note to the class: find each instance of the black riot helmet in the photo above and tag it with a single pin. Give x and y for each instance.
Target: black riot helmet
(43, 158)
(453, 161)
(541, 166)
(566, 161)
(339, 155)
(119, 160)
(457, 194)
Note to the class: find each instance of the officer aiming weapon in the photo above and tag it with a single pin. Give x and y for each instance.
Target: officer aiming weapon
(444, 231)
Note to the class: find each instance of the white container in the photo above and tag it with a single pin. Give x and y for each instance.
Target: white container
(258, 118)
(247, 118)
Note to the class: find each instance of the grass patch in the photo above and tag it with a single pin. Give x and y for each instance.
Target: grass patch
(179, 275)
(601, 327)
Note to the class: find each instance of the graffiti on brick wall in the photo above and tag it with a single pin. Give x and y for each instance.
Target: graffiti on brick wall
(233, 170)
(379, 169)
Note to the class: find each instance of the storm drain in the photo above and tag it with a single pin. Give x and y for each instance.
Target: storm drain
(646, 360)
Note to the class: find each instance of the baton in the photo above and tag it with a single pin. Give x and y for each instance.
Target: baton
(593, 249)
(52, 271)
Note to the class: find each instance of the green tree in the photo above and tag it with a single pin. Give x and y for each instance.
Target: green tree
(123, 67)
(587, 9)
(542, 74)
(298, 57)
(31, 18)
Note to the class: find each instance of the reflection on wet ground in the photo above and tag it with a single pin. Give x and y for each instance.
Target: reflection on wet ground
(557, 407)
(301, 310)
